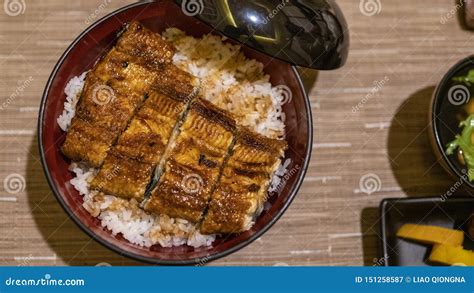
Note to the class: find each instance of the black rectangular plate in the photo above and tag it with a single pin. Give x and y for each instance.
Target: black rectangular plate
(452, 213)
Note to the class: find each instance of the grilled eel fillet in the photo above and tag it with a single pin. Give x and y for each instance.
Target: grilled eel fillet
(194, 163)
(117, 86)
(129, 165)
(142, 43)
(242, 188)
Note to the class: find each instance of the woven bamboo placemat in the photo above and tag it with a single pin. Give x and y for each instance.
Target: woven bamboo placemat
(370, 121)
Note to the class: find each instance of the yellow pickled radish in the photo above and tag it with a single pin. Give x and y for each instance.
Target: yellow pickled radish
(451, 255)
(431, 234)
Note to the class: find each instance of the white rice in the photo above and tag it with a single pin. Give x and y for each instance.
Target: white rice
(229, 80)
(72, 91)
(126, 217)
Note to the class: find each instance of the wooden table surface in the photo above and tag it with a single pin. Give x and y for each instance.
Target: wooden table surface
(370, 125)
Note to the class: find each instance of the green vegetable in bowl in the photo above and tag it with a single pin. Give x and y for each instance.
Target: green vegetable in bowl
(468, 79)
(463, 142)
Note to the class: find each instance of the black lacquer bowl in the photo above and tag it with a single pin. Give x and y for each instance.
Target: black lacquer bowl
(90, 45)
(445, 114)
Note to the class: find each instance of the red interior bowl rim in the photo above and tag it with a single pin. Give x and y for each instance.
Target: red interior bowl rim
(139, 257)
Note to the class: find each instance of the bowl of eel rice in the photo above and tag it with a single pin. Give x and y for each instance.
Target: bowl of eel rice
(149, 168)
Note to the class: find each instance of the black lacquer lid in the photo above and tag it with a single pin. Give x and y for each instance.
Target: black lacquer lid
(308, 33)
